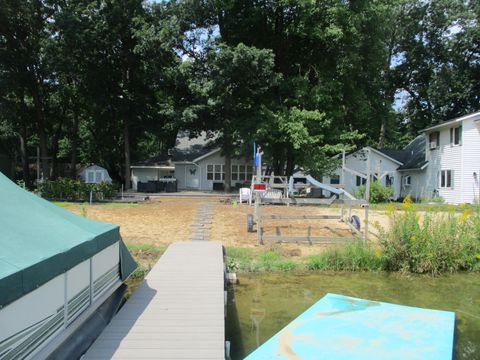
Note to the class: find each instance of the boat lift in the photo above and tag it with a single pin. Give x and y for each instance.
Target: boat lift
(276, 190)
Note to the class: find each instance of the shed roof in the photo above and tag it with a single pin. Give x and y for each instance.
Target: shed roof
(40, 240)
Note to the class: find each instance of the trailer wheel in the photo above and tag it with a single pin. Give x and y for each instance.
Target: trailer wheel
(250, 223)
(355, 221)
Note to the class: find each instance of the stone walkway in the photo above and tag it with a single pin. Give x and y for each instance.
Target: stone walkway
(200, 228)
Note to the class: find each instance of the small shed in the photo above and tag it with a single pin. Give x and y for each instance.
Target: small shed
(95, 174)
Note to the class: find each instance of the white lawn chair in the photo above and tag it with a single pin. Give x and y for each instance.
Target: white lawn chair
(244, 195)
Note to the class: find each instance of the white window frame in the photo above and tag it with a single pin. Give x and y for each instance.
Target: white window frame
(214, 172)
(336, 179)
(444, 177)
(237, 174)
(453, 138)
(407, 180)
(389, 180)
(362, 181)
(87, 176)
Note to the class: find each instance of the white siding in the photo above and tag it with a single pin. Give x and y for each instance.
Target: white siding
(357, 161)
(419, 187)
(471, 161)
(463, 159)
(217, 159)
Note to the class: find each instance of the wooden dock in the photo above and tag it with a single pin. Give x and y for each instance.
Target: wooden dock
(178, 312)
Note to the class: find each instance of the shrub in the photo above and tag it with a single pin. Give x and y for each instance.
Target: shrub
(441, 242)
(75, 190)
(378, 192)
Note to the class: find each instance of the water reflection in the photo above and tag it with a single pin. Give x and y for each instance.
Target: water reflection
(262, 304)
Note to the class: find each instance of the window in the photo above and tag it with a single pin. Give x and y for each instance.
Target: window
(234, 172)
(215, 172)
(389, 180)
(335, 179)
(98, 176)
(361, 180)
(434, 140)
(90, 176)
(241, 172)
(456, 136)
(209, 172)
(446, 179)
(407, 180)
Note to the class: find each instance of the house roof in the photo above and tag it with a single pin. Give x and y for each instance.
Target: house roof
(187, 149)
(411, 157)
(414, 155)
(452, 122)
(395, 154)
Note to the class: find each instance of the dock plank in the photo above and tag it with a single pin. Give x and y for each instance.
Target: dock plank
(176, 313)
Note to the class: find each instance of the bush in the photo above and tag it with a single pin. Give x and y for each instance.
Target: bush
(444, 242)
(378, 192)
(75, 190)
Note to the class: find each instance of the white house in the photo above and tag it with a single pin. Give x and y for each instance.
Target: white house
(384, 165)
(196, 164)
(95, 174)
(452, 155)
(444, 160)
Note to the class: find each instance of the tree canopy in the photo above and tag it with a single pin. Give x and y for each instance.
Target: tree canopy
(111, 82)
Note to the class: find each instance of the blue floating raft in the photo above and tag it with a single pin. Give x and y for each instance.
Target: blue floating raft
(342, 327)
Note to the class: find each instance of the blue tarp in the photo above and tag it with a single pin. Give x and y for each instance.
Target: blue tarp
(342, 327)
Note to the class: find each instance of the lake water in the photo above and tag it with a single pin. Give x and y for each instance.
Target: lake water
(262, 304)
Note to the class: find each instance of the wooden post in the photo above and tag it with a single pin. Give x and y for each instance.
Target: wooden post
(367, 186)
(367, 194)
(365, 236)
(258, 219)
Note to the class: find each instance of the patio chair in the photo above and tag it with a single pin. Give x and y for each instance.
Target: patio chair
(244, 194)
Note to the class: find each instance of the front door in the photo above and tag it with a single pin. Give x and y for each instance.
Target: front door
(192, 177)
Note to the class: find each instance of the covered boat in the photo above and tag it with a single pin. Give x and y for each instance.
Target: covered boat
(60, 276)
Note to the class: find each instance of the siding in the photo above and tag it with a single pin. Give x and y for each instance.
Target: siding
(471, 160)
(463, 159)
(358, 162)
(217, 159)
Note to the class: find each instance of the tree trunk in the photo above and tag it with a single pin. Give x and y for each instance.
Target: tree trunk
(381, 139)
(290, 164)
(42, 138)
(24, 155)
(73, 161)
(126, 138)
(228, 172)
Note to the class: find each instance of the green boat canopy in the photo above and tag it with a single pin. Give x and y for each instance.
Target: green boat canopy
(39, 241)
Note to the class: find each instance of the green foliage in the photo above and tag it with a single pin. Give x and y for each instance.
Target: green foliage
(75, 190)
(242, 259)
(352, 256)
(378, 192)
(440, 242)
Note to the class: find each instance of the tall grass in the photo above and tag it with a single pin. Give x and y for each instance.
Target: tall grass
(353, 256)
(438, 242)
(431, 242)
